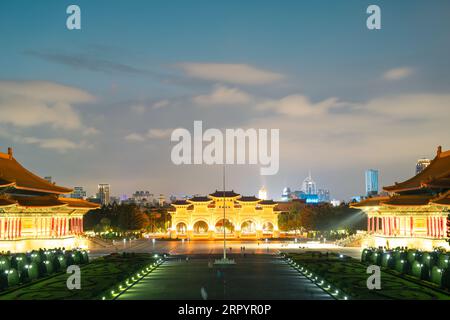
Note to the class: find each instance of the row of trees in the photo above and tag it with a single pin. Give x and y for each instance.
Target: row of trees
(322, 217)
(126, 217)
(301, 217)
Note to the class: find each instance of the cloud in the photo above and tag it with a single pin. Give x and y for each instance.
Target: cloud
(59, 144)
(159, 133)
(376, 132)
(83, 61)
(138, 109)
(39, 103)
(230, 73)
(398, 73)
(135, 137)
(222, 95)
(297, 105)
(160, 104)
(155, 134)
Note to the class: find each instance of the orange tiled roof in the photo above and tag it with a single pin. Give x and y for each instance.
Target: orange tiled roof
(409, 200)
(435, 176)
(13, 174)
(369, 202)
(443, 200)
(79, 203)
(46, 202)
(228, 194)
(416, 200)
(38, 201)
(248, 199)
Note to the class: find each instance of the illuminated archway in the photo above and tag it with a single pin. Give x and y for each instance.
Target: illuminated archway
(248, 226)
(200, 227)
(229, 227)
(267, 227)
(181, 228)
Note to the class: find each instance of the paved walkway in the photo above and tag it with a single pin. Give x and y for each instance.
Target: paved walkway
(256, 276)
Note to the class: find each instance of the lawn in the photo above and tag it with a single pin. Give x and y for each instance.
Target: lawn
(96, 278)
(349, 275)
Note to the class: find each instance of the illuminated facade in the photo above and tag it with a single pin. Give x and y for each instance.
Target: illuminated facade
(415, 214)
(33, 212)
(246, 217)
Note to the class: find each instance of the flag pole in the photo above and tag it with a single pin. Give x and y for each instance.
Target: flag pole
(223, 224)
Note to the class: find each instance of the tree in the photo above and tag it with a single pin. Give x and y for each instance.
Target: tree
(307, 220)
(130, 217)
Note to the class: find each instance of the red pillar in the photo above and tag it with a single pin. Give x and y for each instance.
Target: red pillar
(411, 225)
(20, 227)
(383, 221)
(81, 225)
(14, 228)
(433, 224)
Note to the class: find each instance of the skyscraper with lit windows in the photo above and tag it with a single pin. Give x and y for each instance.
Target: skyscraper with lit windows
(371, 182)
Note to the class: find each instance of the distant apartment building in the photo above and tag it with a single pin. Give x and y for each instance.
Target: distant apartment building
(324, 195)
(422, 164)
(78, 193)
(143, 198)
(371, 182)
(104, 193)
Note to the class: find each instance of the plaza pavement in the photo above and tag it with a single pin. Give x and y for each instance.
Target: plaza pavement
(216, 247)
(255, 276)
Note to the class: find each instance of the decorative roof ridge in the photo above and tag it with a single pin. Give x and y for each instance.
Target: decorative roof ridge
(10, 157)
(423, 175)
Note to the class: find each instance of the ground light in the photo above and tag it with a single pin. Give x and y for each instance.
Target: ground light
(335, 293)
(128, 284)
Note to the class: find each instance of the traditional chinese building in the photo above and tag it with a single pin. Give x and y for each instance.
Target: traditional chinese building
(245, 217)
(34, 212)
(415, 214)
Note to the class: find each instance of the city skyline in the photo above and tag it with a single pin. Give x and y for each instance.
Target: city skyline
(99, 104)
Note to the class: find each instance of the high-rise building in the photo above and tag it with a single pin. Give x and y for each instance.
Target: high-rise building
(309, 185)
(161, 200)
(143, 198)
(286, 194)
(324, 195)
(422, 164)
(371, 182)
(262, 193)
(78, 193)
(104, 193)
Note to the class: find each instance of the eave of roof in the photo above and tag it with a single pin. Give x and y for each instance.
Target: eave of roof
(248, 199)
(228, 194)
(12, 173)
(439, 168)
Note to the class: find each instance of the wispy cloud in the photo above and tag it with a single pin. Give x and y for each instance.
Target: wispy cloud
(398, 73)
(298, 105)
(151, 134)
(222, 95)
(59, 144)
(230, 73)
(88, 62)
